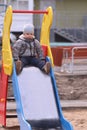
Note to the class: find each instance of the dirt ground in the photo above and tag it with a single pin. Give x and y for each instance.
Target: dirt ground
(77, 117)
(70, 88)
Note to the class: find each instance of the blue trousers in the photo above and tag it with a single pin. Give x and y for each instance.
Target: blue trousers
(32, 61)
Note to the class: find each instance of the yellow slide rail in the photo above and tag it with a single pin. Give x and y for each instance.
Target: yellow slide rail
(45, 31)
(6, 48)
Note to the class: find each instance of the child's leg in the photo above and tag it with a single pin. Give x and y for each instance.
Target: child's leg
(44, 66)
(37, 62)
(20, 64)
(47, 67)
(25, 61)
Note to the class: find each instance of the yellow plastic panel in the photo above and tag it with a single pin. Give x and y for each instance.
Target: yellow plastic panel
(45, 30)
(6, 49)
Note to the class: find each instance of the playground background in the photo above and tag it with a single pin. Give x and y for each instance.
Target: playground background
(70, 88)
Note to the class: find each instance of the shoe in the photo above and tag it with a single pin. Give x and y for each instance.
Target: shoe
(18, 67)
(47, 67)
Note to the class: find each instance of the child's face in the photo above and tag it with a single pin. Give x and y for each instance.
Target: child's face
(28, 35)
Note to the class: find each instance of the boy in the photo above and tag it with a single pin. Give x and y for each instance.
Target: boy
(27, 51)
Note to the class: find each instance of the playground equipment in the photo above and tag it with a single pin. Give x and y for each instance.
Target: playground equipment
(36, 96)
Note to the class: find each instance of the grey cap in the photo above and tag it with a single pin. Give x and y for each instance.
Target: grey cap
(28, 28)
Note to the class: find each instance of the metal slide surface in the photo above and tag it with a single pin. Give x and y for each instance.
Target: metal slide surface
(37, 100)
(37, 94)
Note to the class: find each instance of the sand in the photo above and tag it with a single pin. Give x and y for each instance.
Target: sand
(77, 117)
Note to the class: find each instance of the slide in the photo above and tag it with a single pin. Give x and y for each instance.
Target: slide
(38, 104)
(36, 94)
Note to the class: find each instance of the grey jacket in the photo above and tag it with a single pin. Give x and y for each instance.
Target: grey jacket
(24, 47)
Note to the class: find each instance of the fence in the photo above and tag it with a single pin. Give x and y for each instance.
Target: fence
(74, 59)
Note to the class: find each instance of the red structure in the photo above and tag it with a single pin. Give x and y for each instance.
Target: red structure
(45, 49)
(31, 11)
(3, 96)
(59, 52)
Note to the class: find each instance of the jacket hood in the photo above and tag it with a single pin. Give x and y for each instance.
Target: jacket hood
(25, 39)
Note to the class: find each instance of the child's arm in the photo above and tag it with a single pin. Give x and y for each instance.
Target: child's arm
(16, 51)
(39, 50)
